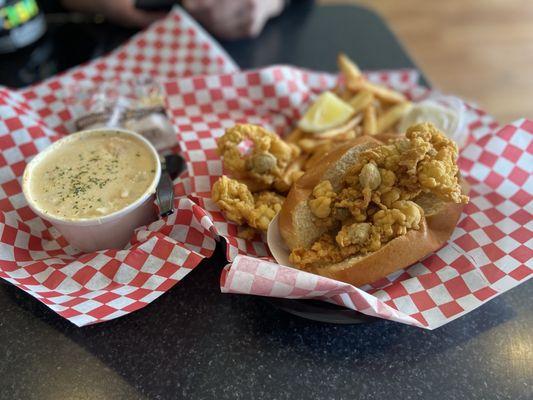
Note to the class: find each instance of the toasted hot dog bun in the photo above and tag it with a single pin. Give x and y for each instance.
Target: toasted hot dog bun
(298, 225)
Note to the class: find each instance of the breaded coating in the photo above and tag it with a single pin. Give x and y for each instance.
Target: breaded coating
(424, 161)
(360, 238)
(323, 196)
(255, 155)
(240, 206)
(267, 205)
(233, 198)
(378, 200)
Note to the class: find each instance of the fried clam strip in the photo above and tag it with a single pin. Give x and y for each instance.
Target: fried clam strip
(261, 165)
(376, 203)
(292, 173)
(425, 160)
(242, 207)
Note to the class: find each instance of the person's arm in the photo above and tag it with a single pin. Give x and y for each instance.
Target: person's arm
(233, 19)
(122, 12)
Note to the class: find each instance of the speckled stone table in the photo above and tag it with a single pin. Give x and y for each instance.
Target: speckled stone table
(194, 342)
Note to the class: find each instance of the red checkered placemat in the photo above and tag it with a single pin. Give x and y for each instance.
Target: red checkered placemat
(90, 288)
(175, 46)
(488, 253)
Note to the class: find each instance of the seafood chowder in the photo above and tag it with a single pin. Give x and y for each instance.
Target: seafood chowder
(91, 176)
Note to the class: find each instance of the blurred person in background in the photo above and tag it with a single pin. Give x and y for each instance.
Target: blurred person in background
(226, 19)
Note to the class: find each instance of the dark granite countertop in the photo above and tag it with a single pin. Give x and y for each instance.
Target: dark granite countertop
(197, 343)
(194, 342)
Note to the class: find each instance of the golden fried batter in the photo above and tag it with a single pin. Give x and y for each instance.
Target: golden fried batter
(264, 165)
(424, 161)
(240, 206)
(323, 195)
(360, 238)
(267, 205)
(377, 198)
(233, 198)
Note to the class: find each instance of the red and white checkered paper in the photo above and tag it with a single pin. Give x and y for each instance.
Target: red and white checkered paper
(174, 47)
(489, 252)
(90, 288)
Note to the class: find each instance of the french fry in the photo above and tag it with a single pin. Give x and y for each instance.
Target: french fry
(381, 92)
(338, 89)
(351, 124)
(294, 136)
(323, 147)
(361, 100)
(392, 116)
(350, 70)
(342, 92)
(386, 136)
(308, 145)
(320, 152)
(346, 94)
(370, 121)
(348, 135)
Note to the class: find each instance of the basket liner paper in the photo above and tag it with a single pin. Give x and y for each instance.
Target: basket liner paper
(488, 253)
(90, 288)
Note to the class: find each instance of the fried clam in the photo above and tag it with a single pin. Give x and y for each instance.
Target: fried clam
(372, 208)
(242, 207)
(256, 156)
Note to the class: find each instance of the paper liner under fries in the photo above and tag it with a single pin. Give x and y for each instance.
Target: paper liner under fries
(91, 288)
(488, 253)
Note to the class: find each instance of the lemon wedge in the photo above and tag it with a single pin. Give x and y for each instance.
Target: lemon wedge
(328, 111)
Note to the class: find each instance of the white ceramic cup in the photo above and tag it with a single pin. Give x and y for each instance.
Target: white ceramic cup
(111, 231)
